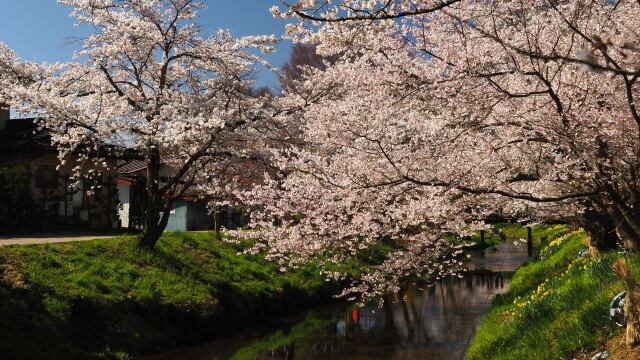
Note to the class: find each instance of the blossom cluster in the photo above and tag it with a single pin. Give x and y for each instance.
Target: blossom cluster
(441, 114)
(147, 84)
(431, 117)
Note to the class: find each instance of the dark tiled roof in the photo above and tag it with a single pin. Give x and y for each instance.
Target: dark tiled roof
(130, 166)
(20, 134)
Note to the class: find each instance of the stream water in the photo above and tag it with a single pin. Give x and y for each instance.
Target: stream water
(436, 322)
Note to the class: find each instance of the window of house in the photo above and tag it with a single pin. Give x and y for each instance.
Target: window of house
(46, 177)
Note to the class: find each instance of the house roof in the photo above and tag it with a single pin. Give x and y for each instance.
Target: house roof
(127, 167)
(24, 133)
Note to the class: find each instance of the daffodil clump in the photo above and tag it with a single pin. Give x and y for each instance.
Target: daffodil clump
(539, 294)
(530, 305)
(555, 244)
(557, 305)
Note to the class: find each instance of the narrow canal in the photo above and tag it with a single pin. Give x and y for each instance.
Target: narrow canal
(434, 322)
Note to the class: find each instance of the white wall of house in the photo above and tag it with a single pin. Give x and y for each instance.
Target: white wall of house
(124, 196)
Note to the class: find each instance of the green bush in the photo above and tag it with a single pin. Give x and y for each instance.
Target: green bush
(17, 208)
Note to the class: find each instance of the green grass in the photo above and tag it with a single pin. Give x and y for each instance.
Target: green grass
(183, 269)
(555, 306)
(490, 239)
(541, 234)
(108, 299)
(475, 241)
(83, 299)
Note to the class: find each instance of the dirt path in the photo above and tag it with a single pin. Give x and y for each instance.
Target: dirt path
(615, 349)
(50, 238)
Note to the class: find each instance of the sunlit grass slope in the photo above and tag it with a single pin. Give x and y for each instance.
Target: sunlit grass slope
(556, 306)
(81, 299)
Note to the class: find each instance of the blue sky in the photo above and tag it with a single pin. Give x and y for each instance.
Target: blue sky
(41, 30)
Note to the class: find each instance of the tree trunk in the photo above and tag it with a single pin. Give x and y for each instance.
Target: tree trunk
(217, 226)
(625, 232)
(156, 208)
(628, 237)
(154, 226)
(608, 227)
(631, 304)
(598, 223)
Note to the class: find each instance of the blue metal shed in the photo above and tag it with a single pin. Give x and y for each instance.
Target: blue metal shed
(189, 216)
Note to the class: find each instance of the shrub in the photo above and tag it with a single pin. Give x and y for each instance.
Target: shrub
(17, 208)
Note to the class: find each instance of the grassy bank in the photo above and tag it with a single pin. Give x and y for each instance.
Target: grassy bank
(513, 231)
(476, 241)
(556, 305)
(100, 298)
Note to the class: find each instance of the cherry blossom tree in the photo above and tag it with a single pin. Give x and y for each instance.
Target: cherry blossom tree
(300, 57)
(440, 114)
(149, 82)
(14, 72)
